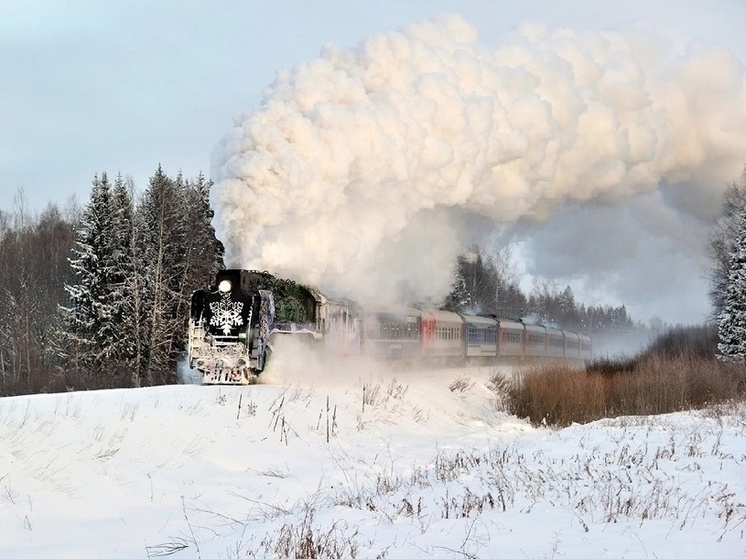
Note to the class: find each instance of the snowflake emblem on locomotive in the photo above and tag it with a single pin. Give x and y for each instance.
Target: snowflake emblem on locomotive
(226, 313)
(233, 322)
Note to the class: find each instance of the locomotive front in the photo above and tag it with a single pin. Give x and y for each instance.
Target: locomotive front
(229, 328)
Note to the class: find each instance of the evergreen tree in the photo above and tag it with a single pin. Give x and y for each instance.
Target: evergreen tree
(203, 253)
(721, 241)
(568, 314)
(90, 326)
(206, 251)
(732, 317)
(123, 292)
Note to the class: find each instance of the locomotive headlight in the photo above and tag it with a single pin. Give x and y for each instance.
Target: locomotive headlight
(224, 286)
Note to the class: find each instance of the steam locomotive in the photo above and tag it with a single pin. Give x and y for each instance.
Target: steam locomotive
(232, 324)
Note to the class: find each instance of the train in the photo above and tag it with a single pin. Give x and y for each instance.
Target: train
(233, 321)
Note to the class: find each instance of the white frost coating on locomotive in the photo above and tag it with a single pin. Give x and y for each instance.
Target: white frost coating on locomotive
(363, 170)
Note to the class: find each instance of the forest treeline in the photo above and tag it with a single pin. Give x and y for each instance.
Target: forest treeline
(486, 283)
(98, 296)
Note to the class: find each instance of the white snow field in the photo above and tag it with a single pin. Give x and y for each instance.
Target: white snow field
(360, 463)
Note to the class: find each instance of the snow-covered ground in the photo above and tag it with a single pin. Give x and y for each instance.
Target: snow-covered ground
(360, 463)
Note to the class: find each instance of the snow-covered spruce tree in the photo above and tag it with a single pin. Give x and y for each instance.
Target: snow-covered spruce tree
(124, 293)
(732, 316)
(206, 252)
(722, 238)
(90, 329)
(203, 253)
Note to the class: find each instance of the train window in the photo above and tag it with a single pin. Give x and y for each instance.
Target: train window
(535, 339)
(513, 337)
(475, 335)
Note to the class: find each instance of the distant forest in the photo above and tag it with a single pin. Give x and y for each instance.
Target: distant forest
(98, 296)
(487, 284)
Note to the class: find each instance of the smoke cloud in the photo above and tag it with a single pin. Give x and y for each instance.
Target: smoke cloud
(366, 171)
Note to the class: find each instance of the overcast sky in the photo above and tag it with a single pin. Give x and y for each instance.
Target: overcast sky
(122, 87)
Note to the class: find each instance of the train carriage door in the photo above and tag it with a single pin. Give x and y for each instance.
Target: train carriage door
(427, 330)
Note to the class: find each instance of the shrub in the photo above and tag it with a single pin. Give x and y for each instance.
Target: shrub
(560, 396)
(554, 395)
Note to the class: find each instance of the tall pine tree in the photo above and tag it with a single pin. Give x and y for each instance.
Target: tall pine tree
(123, 312)
(203, 253)
(90, 317)
(732, 317)
(721, 241)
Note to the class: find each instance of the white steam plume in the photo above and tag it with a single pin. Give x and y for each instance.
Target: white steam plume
(366, 171)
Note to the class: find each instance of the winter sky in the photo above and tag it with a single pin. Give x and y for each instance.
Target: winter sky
(123, 87)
